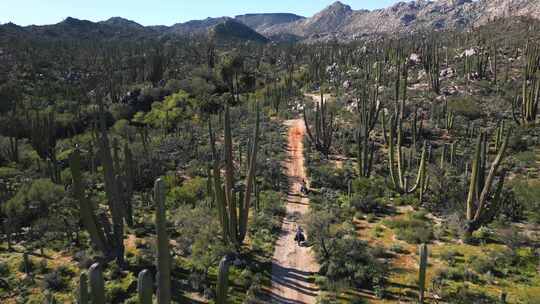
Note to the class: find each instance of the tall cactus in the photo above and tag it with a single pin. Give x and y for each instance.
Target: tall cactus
(431, 62)
(369, 109)
(223, 281)
(129, 180)
(145, 288)
(423, 253)
(88, 217)
(112, 189)
(234, 212)
(43, 140)
(525, 106)
(97, 284)
(532, 60)
(82, 296)
(479, 210)
(163, 254)
(322, 135)
(396, 161)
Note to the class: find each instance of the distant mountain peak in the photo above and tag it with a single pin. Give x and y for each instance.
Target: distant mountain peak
(231, 29)
(71, 20)
(338, 7)
(119, 21)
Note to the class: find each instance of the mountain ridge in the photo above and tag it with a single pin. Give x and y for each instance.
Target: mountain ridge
(336, 21)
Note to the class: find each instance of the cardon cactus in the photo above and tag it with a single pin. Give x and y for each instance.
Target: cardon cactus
(83, 297)
(423, 252)
(525, 107)
(369, 112)
(396, 161)
(233, 212)
(87, 214)
(145, 289)
(323, 131)
(163, 254)
(97, 284)
(223, 281)
(477, 203)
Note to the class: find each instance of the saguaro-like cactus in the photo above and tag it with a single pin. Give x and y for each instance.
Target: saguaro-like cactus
(112, 190)
(163, 254)
(423, 253)
(82, 296)
(532, 60)
(145, 288)
(97, 284)
(129, 180)
(223, 281)
(525, 107)
(322, 135)
(396, 162)
(234, 212)
(430, 60)
(86, 210)
(369, 109)
(43, 140)
(479, 209)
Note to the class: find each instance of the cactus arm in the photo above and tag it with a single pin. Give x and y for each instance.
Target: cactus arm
(487, 186)
(250, 176)
(82, 296)
(163, 253)
(88, 218)
(474, 177)
(97, 284)
(223, 281)
(391, 157)
(145, 287)
(229, 180)
(422, 271)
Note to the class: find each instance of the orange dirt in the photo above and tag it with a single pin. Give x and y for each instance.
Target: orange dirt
(293, 265)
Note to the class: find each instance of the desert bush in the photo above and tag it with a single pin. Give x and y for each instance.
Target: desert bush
(450, 256)
(413, 228)
(398, 248)
(482, 264)
(465, 295)
(328, 176)
(366, 204)
(55, 281)
(465, 106)
(343, 258)
(190, 192)
(528, 195)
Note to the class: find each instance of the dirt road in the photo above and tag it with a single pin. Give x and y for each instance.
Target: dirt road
(292, 265)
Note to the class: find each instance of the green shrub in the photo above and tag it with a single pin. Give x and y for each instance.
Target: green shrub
(189, 193)
(465, 295)
(449, 256)
(4, 269)
(8, 172)
(482, 264)
(466, 107)
(54, 281)
(398, 248)
(414, 228)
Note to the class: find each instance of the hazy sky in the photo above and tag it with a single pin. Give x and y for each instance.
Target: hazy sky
(159, 12)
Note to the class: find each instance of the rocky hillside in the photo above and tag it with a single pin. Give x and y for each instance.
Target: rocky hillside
(340, 21)
(233, 30)
(335, 21)
(261, 22)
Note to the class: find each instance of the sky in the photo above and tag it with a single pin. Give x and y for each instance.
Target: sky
(160, 12)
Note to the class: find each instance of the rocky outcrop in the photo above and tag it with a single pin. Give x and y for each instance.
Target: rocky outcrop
(340, 21)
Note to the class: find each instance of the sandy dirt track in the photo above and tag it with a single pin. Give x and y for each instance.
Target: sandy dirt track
(292, 265)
